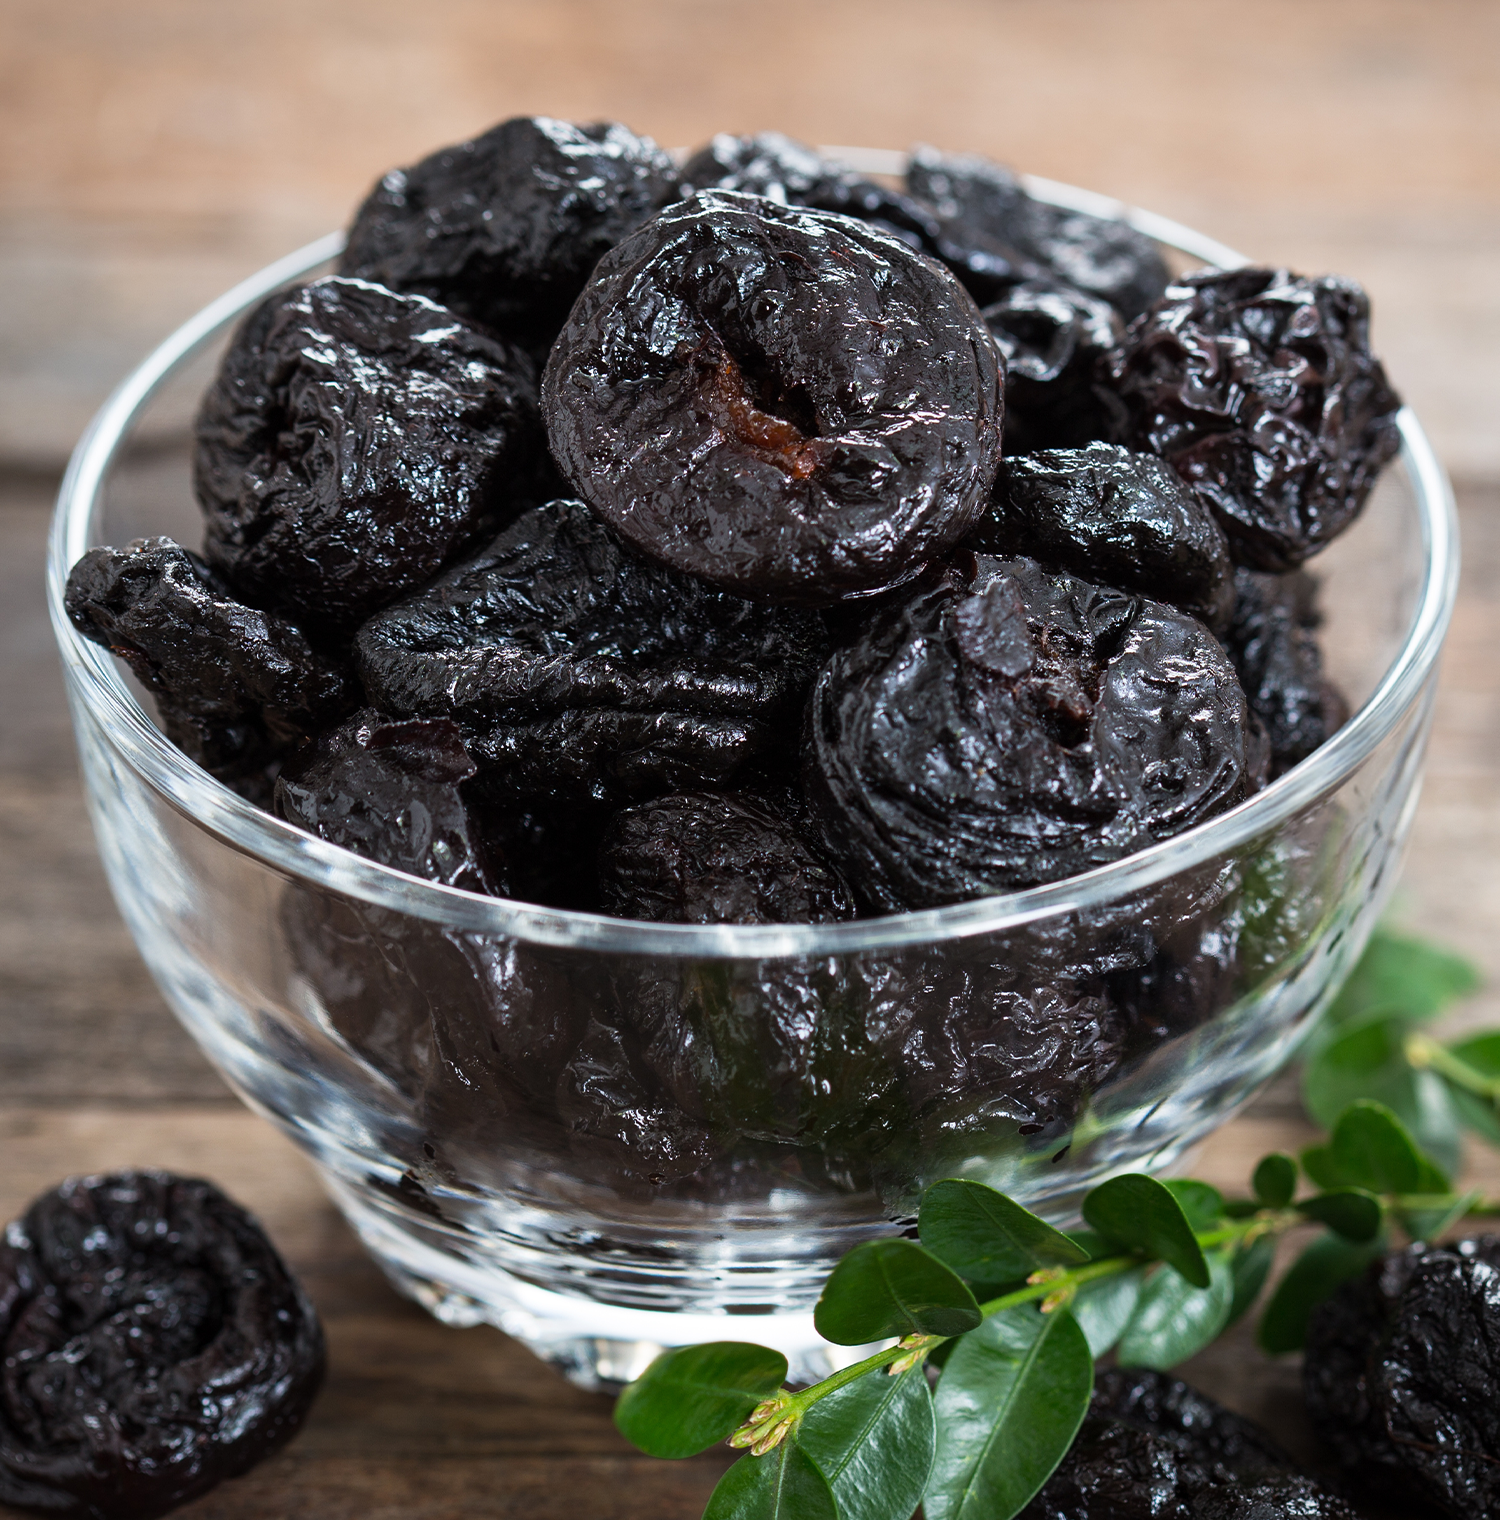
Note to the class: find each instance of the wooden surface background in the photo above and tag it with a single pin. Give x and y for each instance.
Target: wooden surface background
(152, 151)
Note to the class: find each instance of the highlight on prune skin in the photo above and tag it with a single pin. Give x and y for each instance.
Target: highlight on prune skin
(1259, 388)
(153, 1344)
(789, 404)
(234, 686)
(506, 227)
(1114, 517)
(352, 444)
(1013, 725)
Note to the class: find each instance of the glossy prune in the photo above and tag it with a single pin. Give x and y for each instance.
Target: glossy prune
(353, 442)
(234, 686)
(1259, 388)
(1116, 518)
(152, 1344)
(789, 404)
(1012, 725)
(505, 228)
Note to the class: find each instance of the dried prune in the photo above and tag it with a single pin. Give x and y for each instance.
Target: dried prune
(1011, 726)
(152, 1344)
(1259, 388)
(789, 404)
(353, 442)
(234, 686)
(1114, 517)
(505, 228)
(1402, 1376)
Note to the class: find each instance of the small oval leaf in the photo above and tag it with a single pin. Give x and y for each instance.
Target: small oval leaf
(1103, 1308)
(1251, 1265)
(1173, 1319)
(873, 1440)
(1372, 1148)
(785, 1484)
(1275, 1180)
(1350, 1212)
(1201, 1201)
(1326, 1263)
(987, 1237)
(1137, 1212)
(696, 1396)
(892, 1287)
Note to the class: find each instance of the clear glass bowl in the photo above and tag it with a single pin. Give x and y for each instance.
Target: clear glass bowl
(606, 1136)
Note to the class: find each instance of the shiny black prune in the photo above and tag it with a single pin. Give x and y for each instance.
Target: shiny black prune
(152, 1344)
(1402, 1376)
(789, 404)
(234, 686)
(1012, 725)
(1114, 517)
(505, 228)
(1099, 255)
(1273, 641)
(353, 442)
(1259, 388)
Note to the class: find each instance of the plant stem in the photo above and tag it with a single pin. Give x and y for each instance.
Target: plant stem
(1422, 1051)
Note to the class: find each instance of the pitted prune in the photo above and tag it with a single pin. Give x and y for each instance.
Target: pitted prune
(354, 441)
(505, 228)
(1011, 726)
(234, 686)
(787, 403)
(1259, 388)
(152, 1344)
(1116, 518)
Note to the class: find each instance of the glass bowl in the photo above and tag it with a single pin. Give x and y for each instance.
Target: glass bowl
(606, 1136)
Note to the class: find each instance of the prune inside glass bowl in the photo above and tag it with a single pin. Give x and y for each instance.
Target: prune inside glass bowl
(607, 1135)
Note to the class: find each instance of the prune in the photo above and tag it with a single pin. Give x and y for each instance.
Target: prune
(789, 404)
(1402, 1376)
(1272, 639)
(392, 792)
(353, 442)
(505, 228)
(579, 669)
(234, 686)
(1114, 517)
(1012, 725)
(152, 1344)
(1099, 255)
(1259, 388)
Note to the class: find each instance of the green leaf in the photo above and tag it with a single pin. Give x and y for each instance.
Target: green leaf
(874, 1440)
(1408, 976)
(1275, 1180)
(1482, 1055)
(696, 1396)
(1173, 1319)
(1373, 1149)
(1445, 1212)
(1009, 1403)
(1103, 1308)
(987, 1237)
(1250, 1265)
(1139, 1213)
(1326, 1263)
(1350, 1212)
(1201, 1201)
(1477, 1114)
(785, 1484)
(892, 1287)
(1093, 1244)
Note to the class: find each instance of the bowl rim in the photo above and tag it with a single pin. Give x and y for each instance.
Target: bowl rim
(99, 688)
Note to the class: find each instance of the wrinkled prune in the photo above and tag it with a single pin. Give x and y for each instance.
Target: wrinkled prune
(1402, 1376)
(1259, 388)
(505, 228)
(152, 1344)
(1012, 726)
(1116, 518)
(354, 441)
(789, 404)
(1272, 639)
(234, 686)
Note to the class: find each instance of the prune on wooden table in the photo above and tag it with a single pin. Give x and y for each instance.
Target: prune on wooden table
(1259, 388)
(152, 1344)
(789, 404)
(1012, 725)
(1099, 255)
(1114, 517)
(1402, 1377)
(353, 443)
(579, 669)
(234, 686)
(505, 228)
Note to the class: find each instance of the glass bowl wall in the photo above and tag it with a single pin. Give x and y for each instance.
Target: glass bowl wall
(605, 1136)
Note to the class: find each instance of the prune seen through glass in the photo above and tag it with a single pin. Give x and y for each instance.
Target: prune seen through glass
(152, 1344)
(786, 403)
(1259, 388)
(1012, 725)
(505, 228)
(234, 686)
(355, 441)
